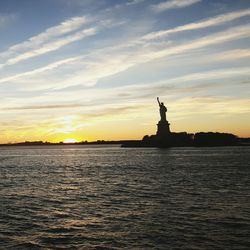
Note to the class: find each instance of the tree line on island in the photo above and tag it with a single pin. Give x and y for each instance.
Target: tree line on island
(183, 139)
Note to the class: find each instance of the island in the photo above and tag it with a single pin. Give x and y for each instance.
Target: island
(165, 138)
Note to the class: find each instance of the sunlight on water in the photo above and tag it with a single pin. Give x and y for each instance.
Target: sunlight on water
(81, 197)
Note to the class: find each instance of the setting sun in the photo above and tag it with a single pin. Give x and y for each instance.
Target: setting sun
(70, 140)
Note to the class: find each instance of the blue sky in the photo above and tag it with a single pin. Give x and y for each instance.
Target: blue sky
(93, 69)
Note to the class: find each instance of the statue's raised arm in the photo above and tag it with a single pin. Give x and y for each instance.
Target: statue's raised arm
(158, 101)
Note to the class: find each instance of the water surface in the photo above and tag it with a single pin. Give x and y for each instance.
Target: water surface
(78, 197)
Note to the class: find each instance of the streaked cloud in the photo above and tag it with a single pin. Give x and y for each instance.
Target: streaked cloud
(39, 70)
(133, 2)
(214, 21)
(96, 97)
(231, 55)
(235, 33)
(57, 106)
(34, 42)
(173, 4)
(51, 46)
(96, 68)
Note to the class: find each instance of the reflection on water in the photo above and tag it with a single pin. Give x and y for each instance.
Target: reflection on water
(78, 197)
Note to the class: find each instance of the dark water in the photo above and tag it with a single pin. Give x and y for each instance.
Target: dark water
(116, 198)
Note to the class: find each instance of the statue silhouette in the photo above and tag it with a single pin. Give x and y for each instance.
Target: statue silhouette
(163, 110)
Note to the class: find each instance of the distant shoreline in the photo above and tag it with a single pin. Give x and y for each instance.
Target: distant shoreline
(41, 143)
(136, 143)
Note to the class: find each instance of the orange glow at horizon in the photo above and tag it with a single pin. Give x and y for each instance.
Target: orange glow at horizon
(125, 126)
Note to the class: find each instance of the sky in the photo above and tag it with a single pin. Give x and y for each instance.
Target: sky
(92, 69)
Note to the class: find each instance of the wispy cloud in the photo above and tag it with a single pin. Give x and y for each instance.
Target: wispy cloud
(50, 40)
(87, 71)
(133, 2)
(211, 75)
(44, 42)
(231, 34)
(175, 85)
(173, 4)
(96, 97)
(54, 39)
(231, 55)
(123, 4)
(53, 106)
(38, 71)
(50, 33)
(51, 46)
(213, 21)
(220, 105)
(205, 23)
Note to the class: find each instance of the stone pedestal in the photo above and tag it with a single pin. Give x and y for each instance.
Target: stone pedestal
(163, 129)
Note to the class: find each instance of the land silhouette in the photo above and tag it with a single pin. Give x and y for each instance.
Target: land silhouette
(163, 138)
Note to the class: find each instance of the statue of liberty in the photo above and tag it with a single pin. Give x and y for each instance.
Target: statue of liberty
(163, 110)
